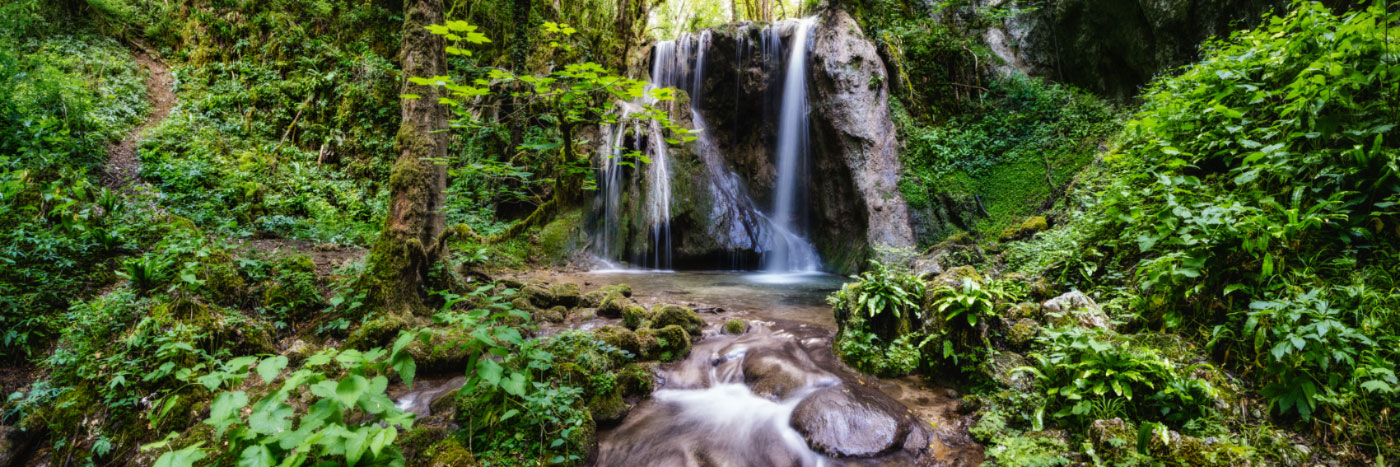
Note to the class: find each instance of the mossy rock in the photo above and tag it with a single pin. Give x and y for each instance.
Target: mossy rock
(1042, 289)
(619, 337)
(636, 379)
(609, 407)
(613, 305)
(1028, 228)
(566, 294)
(537, 295)
(1001, 369)
(553, 315)
(954, 277)
(417, 440)
(1024, 310)
(224, 329)
(1114, 439)
(676, 315)
(636, 317)
(442, 352)
(449, 452)
(1021, 333)
(736, 326)
(596, 298)
(379, 331)
(222, 282)
(666, 344)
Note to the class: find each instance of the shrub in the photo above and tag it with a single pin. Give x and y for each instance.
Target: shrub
(1080, 372)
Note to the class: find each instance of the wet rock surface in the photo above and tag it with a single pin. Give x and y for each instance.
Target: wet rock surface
(854, 146)
(774, 394)
(856, 421)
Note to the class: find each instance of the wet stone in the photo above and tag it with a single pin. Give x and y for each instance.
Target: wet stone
(857, 421)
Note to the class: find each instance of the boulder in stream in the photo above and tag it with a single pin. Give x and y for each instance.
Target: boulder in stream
(854, 420)
(776, 371)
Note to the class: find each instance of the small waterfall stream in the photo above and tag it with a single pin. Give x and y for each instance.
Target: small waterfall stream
(788, 250)
(774, 234)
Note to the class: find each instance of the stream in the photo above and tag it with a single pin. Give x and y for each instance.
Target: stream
(747, 399)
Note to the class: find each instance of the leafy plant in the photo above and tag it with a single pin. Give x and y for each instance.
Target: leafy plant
(887, 301)
(348, 418)
(1078, 370)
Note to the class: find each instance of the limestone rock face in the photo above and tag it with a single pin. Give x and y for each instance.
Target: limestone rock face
(854, 144)
(722, 184)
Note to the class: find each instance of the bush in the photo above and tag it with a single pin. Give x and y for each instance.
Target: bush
(885, 300)
(1082, 374)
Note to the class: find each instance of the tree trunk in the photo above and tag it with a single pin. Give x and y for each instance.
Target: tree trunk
(408, 245)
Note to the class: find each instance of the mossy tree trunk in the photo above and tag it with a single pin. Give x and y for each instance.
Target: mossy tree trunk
(409, 243)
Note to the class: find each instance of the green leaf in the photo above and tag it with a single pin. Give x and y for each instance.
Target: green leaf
(256, 456)
(183, 458)
(515, 385)
(269, 368)
(224, 410)
(489, 371)
(350, 389)
(271, 418)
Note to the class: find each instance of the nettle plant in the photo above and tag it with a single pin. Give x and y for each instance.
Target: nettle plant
(349, 419)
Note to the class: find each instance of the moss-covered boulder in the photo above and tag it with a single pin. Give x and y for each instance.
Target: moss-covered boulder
(635, 317)
(676, 315)
(613, 305)
(566, 294)
(596, 298)
(222, 328)
(1026, 229)
(954, 277)
(1021, 333)
(552, 315)
(666, 344)
(1023, 310)
(445, 453)
(608, 407)
(736, 326)
(222, 282)
(379, 331)
(1001, 369)
(1113, 439)
(537, 295)
(636, 379)
(619, 337)
(1076, 309)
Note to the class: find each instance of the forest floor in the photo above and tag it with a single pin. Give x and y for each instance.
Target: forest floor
(123, 165)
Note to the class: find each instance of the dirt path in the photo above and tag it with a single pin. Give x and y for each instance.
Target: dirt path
(123, 165)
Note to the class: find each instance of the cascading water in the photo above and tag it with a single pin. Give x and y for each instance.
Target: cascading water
(788, 251)
(734, 218)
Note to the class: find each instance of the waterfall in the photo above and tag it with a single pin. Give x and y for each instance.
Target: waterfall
(734, 218)
(663, 70)
(788, 250)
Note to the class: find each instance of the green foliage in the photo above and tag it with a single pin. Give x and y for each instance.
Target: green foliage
(1007, 149)
(1079, 371)
(280, 127)
(885, 298)
(320, 412)
(868, 353)
(966, 312)
(1009, 446)
(62, 96)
